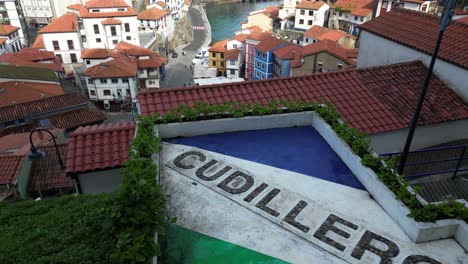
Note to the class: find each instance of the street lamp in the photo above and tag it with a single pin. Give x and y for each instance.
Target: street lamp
(444, 21)
(37, 154)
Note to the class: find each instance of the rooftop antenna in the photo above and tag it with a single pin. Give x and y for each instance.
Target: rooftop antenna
(444, 22)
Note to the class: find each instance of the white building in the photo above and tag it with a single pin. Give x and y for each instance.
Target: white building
(61, 7)
(62, 37)
(347, 15)
(385, 6)
(310, 13)
(157, 20)
(37, 12)
(234, 56)
(11, 14)
(106, 23)
(9, 39)
(379, 46)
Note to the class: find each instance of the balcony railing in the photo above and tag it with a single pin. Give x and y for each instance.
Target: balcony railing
(433, 161)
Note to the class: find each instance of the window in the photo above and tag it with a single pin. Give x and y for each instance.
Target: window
(121, 9)
(263, 76)
(60, 58)
(222, 64)
(113, 31)
(384, 4)
(339, 64)
(151, 82)
(70, 45)
(340, 13)
(234, 46)
(233, 71)
(361, 19)
(103, 81)
(90, 81)
(83, 38)
(258, 54)
(124, 80)
(88, 62)
(302, 12)
(263, 66)
(106, 92)
(96, 29)
(127, 27)
(311, 13)
(222, 55)
(114, 80)
(264, 55)
(92, 92)
(301, 21)
(98, 40)
(257, 74)
(232, 62)
(129, 38)
(355, 17)
(213, 54)
(56, 45)
(309, 22)
(95, 10)
(115, 41)
(423, 8)
(73, 58)
(213, 63)
(257, 64)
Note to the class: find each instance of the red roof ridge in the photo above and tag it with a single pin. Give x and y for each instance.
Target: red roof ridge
(97, 129)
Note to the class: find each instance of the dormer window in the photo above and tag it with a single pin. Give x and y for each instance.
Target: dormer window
(95, 10)
(121, 9)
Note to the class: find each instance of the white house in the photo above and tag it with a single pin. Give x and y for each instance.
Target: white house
(157, 20)
(234, 56)
(382, 45)
(10, 14)
(37, 13)
(9, 39)
(385, 6)
(62, 37)
(106, 23)
(310, 13)
(347, 15)
(59, 8)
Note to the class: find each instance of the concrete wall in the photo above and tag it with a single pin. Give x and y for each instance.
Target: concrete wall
(425, 136)
(311, 64)
(100, 181)
(105, 34)
(63, 51)
(377, 51)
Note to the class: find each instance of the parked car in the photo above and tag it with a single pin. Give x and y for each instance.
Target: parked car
(201, 54)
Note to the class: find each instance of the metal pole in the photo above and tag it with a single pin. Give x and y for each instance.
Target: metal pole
(53, 139)
(444, 22)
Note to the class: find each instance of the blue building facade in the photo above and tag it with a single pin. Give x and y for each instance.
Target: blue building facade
(264, 59)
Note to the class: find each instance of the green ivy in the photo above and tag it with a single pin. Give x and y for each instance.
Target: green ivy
(357, 140)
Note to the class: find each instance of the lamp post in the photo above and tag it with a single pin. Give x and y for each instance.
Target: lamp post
(444, 21)
(36, 154)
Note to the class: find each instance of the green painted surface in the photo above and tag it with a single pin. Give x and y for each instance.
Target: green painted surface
(181, 245)
(27, 73)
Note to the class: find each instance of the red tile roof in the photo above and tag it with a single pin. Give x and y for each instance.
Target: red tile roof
(259, 36)
(3, 40)
(96, 53)
(308, 4)
(120, 66)
(329, 47)
(357, 7)
(154, 61)
(31, 54)
(241, 37)
(232, 54)
(463, 20)
(38, 42)
(66, 23)
(84, 13)
(42, 106)
(101, 147)
(7, 29)
(19, 92)
(269, 44)
(288, 52)
(219, 46)
(161, 4)
(373, 100)
(111, 21)
(67, 120)
(9, 168)
(46, 174)
(105, 3)
(33, 57)
(271, 11)
(422, 34)
(75, 7)
(153, 14)
(132, 50)
(18, 144)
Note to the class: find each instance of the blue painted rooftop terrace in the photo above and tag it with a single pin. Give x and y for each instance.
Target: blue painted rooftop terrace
(297, 149)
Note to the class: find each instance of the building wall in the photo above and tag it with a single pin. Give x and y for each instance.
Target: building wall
(263, 67)
(346, 21)
(13, 42)
(106, 39)
(376, 51)
(104, 181)
(64, 51)
(91, 62)
(11, 16)
(317, 18)
(233, 67)
(97, 89)
(217, 61)
(312, 64)
(261, 20)
(249, 58)
(39, 10)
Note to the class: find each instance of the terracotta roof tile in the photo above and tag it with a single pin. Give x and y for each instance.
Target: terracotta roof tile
(373, 100)
(241, 37)
(96, 54)
(328, 46)
(75, 7)
(18, 144)
(94, 148)
(41, 106)
(153, 14)
(132, 50)
(9, 168)
(5, 30)
(105, 3)
(463, 20)
(269, 44)
(219, 46)
(161, 4)
(46, 174)
(154, 61)
(422, 34)
(31, 57)
(111, 21)
(3, 40)
(84, 13)
(357, 7)
(333, 35)
(288, 52)
(271, 11)
(20, 92)
(120, 66)
(66, 23)
(308, 4)
(232, 54)
(38, 42)
(259, 36)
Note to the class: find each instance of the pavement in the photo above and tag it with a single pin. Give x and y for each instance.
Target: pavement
(145, 38)
(199, 34)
